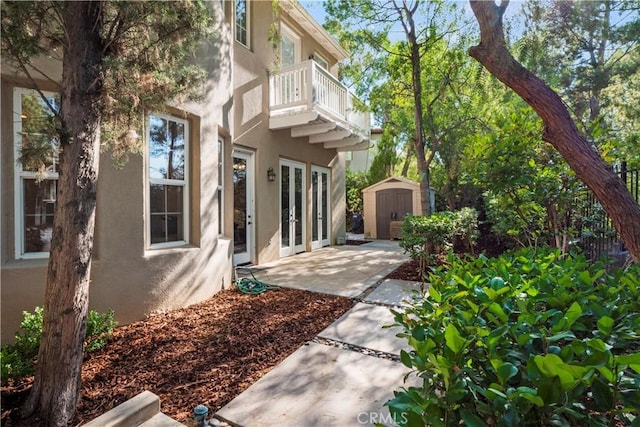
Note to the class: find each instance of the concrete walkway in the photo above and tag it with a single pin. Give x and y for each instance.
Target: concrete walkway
(345, 377)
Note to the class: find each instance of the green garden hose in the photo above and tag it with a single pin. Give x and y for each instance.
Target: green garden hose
(252, 285)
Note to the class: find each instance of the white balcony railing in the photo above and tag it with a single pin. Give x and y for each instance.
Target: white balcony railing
(307, 87)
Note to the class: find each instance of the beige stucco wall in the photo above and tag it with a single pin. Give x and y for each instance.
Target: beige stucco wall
(251, 131)
(369, 202)
(126, 275)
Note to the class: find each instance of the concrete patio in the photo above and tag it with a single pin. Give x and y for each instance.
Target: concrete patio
(343, 384)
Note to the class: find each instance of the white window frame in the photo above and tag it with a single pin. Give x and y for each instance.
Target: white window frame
(20, 176)
(247, 28)
(220, 187)
(289, 33)
(321, 61)
(163, 181)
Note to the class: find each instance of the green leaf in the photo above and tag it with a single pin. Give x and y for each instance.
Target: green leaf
(631, 360)
(531, 395)
(605, 325)
(506, 371)
(497, 310)
(573, 313)
(471, 420)
(453, 338)
(405, 358)
(585, 276)
(561, 336)
(433, 293)
(511, 418)
(598, 344)
(602, 395)
(418, 333)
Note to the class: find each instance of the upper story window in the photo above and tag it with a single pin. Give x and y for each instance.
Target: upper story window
(321, 61)
(36, 149)
(289, 47)
(242, 22)
(168, 172)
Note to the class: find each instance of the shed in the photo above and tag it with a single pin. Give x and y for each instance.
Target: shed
(386, 203)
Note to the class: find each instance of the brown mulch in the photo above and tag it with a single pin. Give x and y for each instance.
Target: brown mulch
(356, 242)
(408, 271)
(207, 353)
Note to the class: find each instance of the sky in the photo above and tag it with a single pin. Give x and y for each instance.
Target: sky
(316, 9)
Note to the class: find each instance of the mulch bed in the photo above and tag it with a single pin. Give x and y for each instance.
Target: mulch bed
(356, 242)
(207, 353)
(408, 271)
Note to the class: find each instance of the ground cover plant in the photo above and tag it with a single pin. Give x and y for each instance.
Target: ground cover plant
(18, 360)
(528, 338)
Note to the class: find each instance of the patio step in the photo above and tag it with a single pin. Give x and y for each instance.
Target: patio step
(161, 420)
(141, 410)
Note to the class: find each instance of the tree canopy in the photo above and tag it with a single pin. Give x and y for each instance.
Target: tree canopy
(119, 61)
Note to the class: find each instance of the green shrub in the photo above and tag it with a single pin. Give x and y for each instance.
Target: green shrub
(17, 360)
(529, 338)
(100, 327)
(424, 237)
(465, 225)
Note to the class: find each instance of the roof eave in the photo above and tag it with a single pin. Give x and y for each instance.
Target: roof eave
(310, 25)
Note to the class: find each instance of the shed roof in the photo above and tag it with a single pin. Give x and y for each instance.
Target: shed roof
(392, 179)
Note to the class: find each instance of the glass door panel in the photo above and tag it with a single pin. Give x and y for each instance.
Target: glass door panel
(320, 207)
(242, 207)
(292, 208)
(314, 206)
(297, 209)
(285, 228)
(324, 202)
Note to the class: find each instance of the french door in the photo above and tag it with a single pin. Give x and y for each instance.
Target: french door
(293, 198)
(320, 210)
(243, 207)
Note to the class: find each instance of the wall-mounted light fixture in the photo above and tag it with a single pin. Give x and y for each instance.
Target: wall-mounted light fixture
(271, 174)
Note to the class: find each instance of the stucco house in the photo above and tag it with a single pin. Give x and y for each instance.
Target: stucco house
(253, 173)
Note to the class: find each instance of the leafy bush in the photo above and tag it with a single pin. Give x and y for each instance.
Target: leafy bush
(424, 237)
(529, 338)
(466, 228)
(100, 327)
(17, 360)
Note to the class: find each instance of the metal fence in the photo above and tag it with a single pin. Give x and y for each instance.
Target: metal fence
(598, 236)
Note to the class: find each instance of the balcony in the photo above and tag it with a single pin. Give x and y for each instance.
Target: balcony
(307, 99)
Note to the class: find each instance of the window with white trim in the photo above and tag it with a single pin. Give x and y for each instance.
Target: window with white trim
(168, 172)
(36, 149)
(242, 19)
(220, 190)
(321, 61)
(290, 46)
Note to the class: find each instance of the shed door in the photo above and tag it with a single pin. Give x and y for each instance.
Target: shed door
(391, 205)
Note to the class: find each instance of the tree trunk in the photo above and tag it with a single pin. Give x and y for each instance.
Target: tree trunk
(560, 130)
(57, 382)
(416, 72)
(407, 159)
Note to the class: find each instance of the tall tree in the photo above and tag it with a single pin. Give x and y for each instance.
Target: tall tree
(580, 48)
(559, 128)
(119, 60)
(421, 25)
